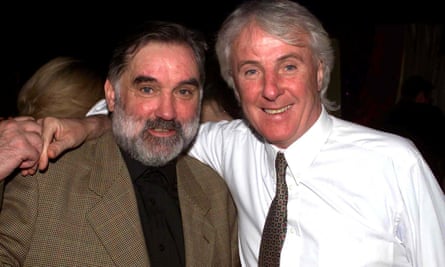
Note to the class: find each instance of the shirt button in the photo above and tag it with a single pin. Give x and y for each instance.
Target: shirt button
(161, 247)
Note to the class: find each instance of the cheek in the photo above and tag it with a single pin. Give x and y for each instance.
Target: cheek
(314, 79)
(303, 85)
(248, 90)
(186, 110)
(313, 87)
(139, 108)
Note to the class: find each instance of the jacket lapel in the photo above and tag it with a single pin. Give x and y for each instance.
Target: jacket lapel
(199, 234)
(115, 218)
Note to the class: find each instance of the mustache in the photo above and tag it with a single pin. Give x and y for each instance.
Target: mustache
(159, 123)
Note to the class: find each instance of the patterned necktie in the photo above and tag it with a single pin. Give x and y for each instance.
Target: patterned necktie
(274, 231)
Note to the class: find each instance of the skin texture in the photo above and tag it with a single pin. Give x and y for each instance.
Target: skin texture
(175, 91)
(278, 85)
(20, 145)
(156, 84)
(157, 112)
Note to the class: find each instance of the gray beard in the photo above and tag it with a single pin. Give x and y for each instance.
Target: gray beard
(146, 148)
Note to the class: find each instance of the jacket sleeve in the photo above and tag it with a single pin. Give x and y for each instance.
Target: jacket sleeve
(17, 217)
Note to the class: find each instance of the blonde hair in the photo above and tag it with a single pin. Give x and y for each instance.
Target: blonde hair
(63, 87)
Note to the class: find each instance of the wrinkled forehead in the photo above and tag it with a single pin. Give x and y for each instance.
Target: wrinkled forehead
(292, 35)
(173, 57)
(254, 40)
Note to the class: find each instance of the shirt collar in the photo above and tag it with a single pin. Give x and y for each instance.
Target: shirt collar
(137, 168)
(300, 154)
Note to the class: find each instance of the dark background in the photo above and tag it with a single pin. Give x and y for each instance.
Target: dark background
(33, 33)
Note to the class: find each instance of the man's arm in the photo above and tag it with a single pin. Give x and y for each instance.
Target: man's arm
(61, 134)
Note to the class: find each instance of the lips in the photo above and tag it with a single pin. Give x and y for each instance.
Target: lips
(277, 111)
(161, 130)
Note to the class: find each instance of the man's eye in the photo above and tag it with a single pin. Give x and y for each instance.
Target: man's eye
(146, 90)
(185, 91)
(290, 67)
(250, 72)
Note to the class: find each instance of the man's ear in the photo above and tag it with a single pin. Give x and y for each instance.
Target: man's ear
(109, 95)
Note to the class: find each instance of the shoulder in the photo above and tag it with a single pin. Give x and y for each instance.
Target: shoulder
(226, 132)
(237, 125)
(199, 172)
(102, 148)
(195, 166)
(371, 140)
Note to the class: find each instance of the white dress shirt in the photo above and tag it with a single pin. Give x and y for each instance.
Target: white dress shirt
(357, 196)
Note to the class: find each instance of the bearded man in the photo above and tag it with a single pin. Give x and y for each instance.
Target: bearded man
(130, 197)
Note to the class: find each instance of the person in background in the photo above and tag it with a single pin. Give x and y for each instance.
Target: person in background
(213, 104)
(219, 101)
(62, 87)
(130, 198)
(356, 196)
(417, 118)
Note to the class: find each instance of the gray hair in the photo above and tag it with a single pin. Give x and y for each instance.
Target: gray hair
(284, 19)
(157, 31)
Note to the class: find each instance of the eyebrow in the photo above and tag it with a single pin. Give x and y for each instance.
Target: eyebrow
(282, 58)
(296, 56)
(247, 62)
(143, 78)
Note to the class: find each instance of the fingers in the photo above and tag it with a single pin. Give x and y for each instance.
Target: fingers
(61, 134)
(27, 124)
(24, 118)
(43, 160)
(30, 153)
(48, 135)
(29, 167)
(55, 149)
(20, 145)
(49, 129)
(53, 138)
(28, 172)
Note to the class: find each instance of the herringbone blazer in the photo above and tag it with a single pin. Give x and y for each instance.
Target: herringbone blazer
(82, 212)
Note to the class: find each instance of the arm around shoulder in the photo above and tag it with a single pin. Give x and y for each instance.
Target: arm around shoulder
(61, 134)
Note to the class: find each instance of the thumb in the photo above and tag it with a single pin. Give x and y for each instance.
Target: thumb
(49, 131)
(47, 137)
(43, 161)
(56, 148)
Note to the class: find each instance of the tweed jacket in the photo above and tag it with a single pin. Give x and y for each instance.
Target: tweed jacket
(83, 212)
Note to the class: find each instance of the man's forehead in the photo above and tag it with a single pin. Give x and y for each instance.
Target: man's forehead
(157, 57)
